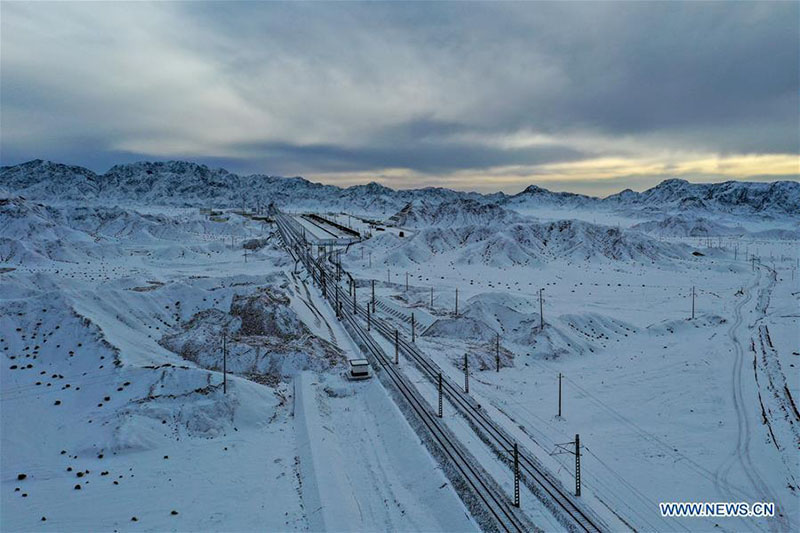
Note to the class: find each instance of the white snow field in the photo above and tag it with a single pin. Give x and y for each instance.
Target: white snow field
(118, 292)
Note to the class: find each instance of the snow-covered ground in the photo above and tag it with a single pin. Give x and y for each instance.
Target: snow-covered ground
(668, 408)
(114, 312)
(93, 398)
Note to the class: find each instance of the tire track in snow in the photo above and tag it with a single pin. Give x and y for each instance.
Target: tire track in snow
(318, 313)
(741, 453)
(319, 318)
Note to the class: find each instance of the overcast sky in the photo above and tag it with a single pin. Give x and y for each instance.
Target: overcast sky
(587, 97)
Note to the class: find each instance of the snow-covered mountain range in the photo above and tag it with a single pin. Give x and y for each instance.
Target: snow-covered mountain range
(184, 183)
(778, 197)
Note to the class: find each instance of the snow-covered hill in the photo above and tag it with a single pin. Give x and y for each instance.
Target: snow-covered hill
(687, 226)
(267, 341)
(533, 195)
(519, 243)
(486, 315)
(32, 232)
(458, 212)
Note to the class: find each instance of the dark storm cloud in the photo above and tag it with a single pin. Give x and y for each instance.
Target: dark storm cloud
(427, 157)
(434, 88)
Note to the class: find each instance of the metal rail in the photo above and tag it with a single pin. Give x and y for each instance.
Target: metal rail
(532, 470)
(490, 496)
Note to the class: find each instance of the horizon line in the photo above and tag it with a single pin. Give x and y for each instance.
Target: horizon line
(711, 179)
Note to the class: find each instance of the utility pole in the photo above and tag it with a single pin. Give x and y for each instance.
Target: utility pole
(562, 449)
(497, 351)
(368, 318)
(456, 301)
(559, 395)
(692, 302)
(466, 374)
(440, 395)
(516, 476)
(577, 465)
(373, 295)
(541, 308)
(225, 362)
(406, 281)
(413, 335)
(396, 347)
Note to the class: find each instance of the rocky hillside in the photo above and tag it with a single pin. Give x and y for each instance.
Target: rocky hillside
(459, 212)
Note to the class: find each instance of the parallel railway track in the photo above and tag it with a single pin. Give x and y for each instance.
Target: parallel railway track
(535, 476)
(503, 515)
(573, 514)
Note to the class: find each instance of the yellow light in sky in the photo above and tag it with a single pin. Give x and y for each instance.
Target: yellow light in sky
(514, 177)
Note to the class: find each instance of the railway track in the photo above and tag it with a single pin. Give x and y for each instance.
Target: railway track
(533, 474)
(491, 496)
(488, 494)
(315, 223)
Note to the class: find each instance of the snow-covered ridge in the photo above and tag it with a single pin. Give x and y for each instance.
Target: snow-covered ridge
(536, 194)
(520, 243)
(778, 196)
(459, 212)
(32, 233)
(686, 225)
(192, 184)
